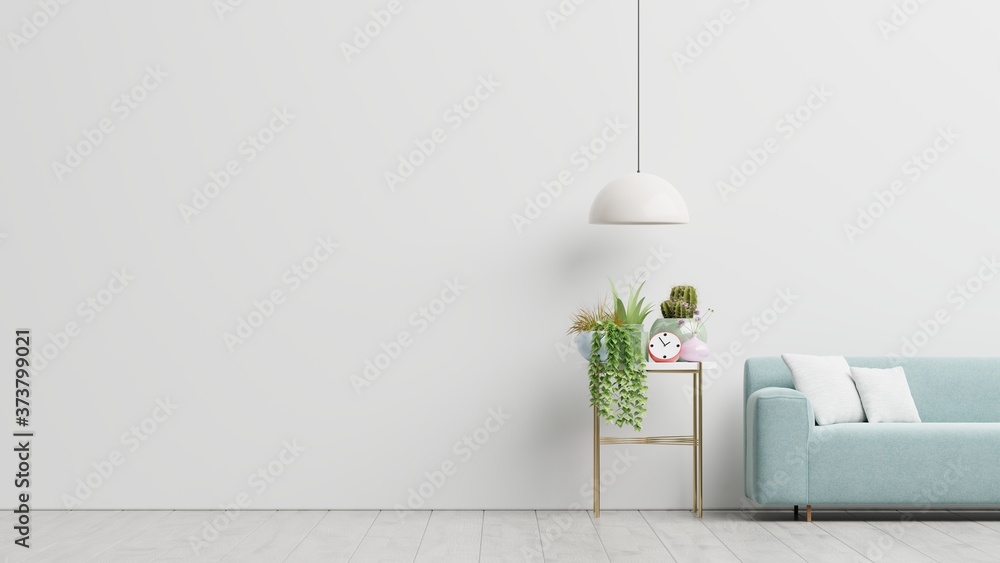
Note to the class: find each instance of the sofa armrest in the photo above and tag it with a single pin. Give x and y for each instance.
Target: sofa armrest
(779, 422)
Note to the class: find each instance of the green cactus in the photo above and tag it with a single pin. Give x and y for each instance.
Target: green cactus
(676, 310)
(682, 303)
(685, 294)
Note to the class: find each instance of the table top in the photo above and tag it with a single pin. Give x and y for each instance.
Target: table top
(678, 366)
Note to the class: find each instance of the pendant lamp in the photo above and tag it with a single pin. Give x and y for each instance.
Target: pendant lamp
(640, 198)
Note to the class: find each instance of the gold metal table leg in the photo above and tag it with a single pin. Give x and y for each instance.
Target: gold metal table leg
(694, 449)
(597, 465)
(701, 446)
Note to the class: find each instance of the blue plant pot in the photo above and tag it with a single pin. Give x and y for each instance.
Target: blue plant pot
(585, 339)
(583, 343)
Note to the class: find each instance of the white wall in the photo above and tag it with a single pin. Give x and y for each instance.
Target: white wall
(501, 344)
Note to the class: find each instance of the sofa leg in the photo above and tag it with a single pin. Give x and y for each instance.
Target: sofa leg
(796, 511)
(809, 513)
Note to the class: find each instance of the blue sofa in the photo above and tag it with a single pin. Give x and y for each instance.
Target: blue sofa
(952, 457)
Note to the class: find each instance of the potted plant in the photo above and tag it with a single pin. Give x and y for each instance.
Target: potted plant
(585, 323)
(678, 312)
(618, 380)
(634, 314)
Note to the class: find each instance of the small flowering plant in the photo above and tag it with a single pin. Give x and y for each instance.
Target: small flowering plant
(698, 322)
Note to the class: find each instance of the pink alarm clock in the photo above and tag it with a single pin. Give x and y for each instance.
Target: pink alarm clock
(664, 347)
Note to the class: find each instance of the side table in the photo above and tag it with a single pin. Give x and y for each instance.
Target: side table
(694, 439)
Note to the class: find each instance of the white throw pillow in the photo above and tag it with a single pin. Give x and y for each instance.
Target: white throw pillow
(885, 395)
(827, 382)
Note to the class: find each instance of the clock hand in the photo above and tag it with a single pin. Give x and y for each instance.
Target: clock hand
(661, 341)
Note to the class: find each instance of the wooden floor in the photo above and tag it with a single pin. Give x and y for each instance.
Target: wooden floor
(500, 536)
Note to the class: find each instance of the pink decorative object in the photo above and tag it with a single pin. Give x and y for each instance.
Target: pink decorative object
(694, 350)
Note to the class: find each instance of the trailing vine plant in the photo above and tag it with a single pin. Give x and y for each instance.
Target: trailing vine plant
(618, 385)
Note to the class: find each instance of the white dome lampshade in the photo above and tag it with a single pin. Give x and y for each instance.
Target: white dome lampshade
(639, 199)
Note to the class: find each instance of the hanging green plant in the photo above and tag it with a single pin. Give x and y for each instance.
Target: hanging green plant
(618, 385)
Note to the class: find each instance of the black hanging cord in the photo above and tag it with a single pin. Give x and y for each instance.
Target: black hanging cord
(638, 83)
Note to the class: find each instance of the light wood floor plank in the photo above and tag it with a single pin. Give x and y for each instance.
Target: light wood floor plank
(511, 536)
(42, 516)
(394, 536)
(335, 537)
(931, 542)
(867, 540)
(514, 536)
(49, 532)
(155, 540)
(990, 519)
(811, 543)
(101, 537)
(626, 536)
(38, 520)
(747, 539)
(452, 536)
(569, 536)
(978, 536)
(274, 539)
(687, 538)
(217, 536)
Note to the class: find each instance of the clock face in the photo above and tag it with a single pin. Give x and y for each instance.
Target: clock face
(664, 347)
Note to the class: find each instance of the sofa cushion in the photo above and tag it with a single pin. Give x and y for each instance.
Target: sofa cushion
(899, 463)
(885, 394)
(826, 380)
